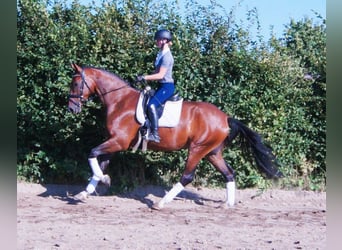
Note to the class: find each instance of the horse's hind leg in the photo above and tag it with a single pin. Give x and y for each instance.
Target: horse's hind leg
(228, 174)
(187, 177)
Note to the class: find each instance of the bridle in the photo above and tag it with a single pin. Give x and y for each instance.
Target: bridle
(80, 95)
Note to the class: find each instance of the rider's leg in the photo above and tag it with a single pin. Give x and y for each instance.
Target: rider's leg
(153, 117)
(165, 91)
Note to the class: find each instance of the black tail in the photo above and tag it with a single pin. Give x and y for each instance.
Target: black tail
(265, 159)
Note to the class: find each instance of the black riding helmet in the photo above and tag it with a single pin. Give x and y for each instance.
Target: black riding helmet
(163, 34)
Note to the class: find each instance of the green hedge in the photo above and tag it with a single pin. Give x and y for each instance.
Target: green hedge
(261, 83)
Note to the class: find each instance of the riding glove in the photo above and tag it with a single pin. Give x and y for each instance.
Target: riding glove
(140, 78)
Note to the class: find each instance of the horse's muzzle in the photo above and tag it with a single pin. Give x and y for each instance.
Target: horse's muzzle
(74, 109)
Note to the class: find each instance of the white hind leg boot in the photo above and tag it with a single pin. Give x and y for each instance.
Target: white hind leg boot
(169, 196)
(230, 199)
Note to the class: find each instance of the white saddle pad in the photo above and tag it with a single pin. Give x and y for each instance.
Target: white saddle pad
(171, 114)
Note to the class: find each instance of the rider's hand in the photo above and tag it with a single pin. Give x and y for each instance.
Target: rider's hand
(140, 78)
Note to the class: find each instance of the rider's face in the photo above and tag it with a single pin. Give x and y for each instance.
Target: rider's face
(160, 42)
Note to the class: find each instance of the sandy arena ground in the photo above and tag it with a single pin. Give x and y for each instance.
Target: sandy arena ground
(48, 218)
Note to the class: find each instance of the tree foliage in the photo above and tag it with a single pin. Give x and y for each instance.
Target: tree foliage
(277, 87)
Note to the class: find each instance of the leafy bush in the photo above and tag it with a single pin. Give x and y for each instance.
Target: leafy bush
(277, 88)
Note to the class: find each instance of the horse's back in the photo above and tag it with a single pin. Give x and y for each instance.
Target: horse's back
(205, 110)
(205, 118)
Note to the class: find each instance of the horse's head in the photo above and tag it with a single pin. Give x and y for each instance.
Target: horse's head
(80, 89)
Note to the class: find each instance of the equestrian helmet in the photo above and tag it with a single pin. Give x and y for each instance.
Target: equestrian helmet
(163, 34)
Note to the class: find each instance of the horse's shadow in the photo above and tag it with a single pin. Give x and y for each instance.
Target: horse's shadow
(146, 195)
(64, 193)
(143, 194)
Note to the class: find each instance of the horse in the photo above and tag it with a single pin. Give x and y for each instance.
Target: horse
(204, 130)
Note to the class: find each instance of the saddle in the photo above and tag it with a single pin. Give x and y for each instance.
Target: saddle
(168, 113)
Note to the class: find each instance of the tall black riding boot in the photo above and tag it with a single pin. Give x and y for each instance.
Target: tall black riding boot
(153, 116)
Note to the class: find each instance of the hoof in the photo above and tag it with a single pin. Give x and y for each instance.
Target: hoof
(106, 180)
(82, 196)
(226, 205)
(157, 206)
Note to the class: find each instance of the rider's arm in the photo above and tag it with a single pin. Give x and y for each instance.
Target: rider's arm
(156, 76)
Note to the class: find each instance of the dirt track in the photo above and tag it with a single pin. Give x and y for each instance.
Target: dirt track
(47, 218)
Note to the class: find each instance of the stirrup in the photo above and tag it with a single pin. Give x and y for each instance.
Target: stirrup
(153, 136)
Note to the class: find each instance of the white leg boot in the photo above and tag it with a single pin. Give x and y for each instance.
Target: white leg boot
(97, 176)
(230, 199)
(169, 196)
(92, 184)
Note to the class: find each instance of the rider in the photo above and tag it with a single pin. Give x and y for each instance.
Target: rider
(163, 74)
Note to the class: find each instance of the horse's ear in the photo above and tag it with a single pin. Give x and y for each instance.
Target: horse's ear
(76, 67)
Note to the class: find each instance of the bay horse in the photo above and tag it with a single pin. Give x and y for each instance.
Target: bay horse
(203, 129)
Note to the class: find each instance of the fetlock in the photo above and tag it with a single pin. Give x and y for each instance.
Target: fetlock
(106, 180)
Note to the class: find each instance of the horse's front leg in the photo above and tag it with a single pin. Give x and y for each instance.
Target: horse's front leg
(99, 159)
(98, 164)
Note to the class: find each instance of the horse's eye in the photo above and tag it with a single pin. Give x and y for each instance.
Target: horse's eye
(75, 84)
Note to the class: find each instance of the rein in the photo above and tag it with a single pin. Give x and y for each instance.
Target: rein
(113, 90)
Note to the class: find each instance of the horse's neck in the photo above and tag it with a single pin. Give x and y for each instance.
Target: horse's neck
(112, 91)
